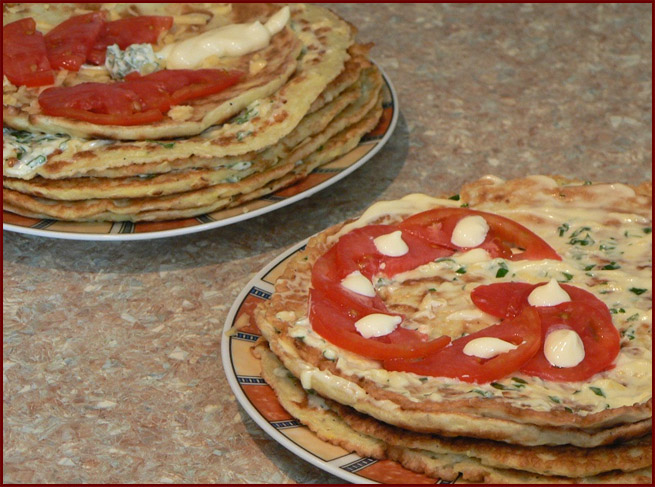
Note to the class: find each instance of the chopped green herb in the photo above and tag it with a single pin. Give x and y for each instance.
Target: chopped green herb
(629, 334)
(166, 145)
(464, 205)
(587, 183)
(423, 379)
(242, 135)
(519, 380)
(554, 399)
(461, 270)
(246, 115)
(498, 385)
(568, 409)
(637, 290)
(633, 317)
(611, 266)
(567, 276)
(597, 390)
(432, 289)
(616, 310)
(454, 197)
(482, 393)
(502, 272)
(586, 241)
(589, 267)
(647, 230)
(563, 228)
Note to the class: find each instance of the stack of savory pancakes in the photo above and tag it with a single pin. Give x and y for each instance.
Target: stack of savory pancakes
(518, 429)
(306, 99)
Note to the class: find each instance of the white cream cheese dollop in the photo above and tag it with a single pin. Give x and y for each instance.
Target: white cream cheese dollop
(358, 283)
(550, 294)
(377, 325)
(470, 231)
(229, 40)
(487, 347)
(391, 244)
(564, 348)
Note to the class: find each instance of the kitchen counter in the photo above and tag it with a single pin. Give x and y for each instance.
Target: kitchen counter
(112, 363)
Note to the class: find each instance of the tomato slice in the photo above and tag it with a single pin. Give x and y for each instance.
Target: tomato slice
(436, 226)
(585, 314)
(92, 97)
(139, 100)
(103, 104)
(357, 251)
(523, 330)
(69, 43)
(599, 336)
(144, 29)
(24, 56)
(187, 84)
(332, 323)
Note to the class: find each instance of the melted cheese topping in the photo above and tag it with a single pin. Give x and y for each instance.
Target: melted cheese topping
(391, 244)
(606, 249)
(358, 283)
(470, 231)
(564, 348)
(377, 325)
(487, 347)
(229, 40)
(550, 294)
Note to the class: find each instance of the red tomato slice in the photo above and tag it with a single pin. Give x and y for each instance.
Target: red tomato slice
(523, 330)
(153, 94)
(330, 321)
(327, 278)
(600, 338)
(139, 118)
(357, 251)
(436, 226)
(24, 57)
(103, 104)
(145, 29)
(92, 97)
(585, 314)
(187, 84)
(69, 43)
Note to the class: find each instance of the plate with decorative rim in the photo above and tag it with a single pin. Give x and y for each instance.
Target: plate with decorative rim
(318, 180)
(243, 373)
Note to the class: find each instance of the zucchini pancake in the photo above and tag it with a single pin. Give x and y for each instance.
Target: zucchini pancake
(502, 335)
(147, 112)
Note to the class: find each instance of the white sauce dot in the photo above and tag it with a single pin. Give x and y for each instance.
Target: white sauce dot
(358, 283)
(564, 348)
(470, 231)
(391, 244)
(377, 325)
(550, 294)
(487, 347)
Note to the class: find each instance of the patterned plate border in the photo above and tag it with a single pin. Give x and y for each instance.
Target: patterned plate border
(319, 179)
(259, 401)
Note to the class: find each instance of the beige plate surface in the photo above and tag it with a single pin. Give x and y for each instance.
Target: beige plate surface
(320, 179)
(243, 372)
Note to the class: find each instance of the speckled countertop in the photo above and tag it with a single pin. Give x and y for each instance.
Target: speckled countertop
(112, 366)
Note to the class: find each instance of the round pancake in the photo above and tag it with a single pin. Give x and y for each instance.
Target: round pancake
(295, 167)
(324, 39)
(175, 180)
(21, 109)
(524, 414)
(475, 458)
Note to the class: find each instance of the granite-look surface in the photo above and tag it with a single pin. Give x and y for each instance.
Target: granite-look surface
(112, 367)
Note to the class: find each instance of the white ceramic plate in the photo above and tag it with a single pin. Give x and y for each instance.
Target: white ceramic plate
(258, 399)
(321, 178)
